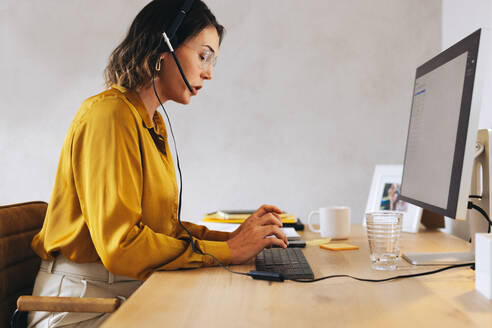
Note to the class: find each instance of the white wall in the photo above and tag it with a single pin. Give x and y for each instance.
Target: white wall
(307, 96)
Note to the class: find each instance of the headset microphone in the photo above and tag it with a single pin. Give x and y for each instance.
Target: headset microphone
(171, 32)
(177, 63)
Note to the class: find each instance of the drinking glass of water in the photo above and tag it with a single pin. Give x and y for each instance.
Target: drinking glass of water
(383, 233)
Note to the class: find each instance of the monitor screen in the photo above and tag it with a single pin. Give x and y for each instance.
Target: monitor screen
(438, 128)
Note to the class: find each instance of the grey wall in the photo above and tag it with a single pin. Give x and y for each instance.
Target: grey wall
(307, 96)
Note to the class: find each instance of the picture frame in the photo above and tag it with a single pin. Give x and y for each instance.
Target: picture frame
(384, 196)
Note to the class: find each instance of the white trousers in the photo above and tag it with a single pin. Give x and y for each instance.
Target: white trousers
(63, 277)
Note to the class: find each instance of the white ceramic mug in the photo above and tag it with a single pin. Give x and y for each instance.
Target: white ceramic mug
(334, 222)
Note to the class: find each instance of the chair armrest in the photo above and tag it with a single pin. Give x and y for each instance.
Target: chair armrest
(67, 304)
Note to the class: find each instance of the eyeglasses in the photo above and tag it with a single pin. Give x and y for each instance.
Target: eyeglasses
(206, 56)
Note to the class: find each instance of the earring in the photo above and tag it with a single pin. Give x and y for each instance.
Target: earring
(158, 65)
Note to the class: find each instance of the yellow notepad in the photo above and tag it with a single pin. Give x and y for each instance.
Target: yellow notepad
(240, 218)
(338, 247)
(208, 219)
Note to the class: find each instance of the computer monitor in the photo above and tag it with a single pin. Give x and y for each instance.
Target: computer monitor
(442, 134)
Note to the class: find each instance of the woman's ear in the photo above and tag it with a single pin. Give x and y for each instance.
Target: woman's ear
(162, 58)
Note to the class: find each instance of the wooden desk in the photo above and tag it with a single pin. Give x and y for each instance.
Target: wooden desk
(213, 297)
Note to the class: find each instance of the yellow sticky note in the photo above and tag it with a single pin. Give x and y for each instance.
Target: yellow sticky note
(338, 247)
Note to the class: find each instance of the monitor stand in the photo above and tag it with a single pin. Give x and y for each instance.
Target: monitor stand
(439, 258)
(480, 186)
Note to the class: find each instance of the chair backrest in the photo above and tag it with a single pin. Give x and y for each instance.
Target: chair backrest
(18, 263)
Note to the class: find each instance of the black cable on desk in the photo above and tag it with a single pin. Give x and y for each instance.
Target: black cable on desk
(385, 279)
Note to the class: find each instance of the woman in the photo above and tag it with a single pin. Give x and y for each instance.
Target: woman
(112, 219)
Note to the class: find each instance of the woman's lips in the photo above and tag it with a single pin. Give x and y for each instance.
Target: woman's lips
(195, 89)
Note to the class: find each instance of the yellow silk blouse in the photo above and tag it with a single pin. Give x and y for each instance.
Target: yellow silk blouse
(115, 194)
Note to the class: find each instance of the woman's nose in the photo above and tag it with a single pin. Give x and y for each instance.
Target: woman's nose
(207, 74)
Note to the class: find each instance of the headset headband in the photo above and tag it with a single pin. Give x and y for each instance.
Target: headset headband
(171, 32)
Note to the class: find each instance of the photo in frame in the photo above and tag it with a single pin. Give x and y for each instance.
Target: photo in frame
(384, 195)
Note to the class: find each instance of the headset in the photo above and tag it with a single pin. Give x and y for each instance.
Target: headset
(168, 36)
(171, 33)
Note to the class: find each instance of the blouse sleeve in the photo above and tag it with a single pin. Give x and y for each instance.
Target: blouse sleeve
(202, 232)
(108, 176)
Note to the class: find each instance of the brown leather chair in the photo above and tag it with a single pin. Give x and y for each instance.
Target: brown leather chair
(19, 266)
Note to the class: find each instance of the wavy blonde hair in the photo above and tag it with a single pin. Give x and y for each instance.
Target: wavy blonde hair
(132, 63)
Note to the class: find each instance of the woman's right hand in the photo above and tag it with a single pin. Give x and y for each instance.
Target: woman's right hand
(251, 237)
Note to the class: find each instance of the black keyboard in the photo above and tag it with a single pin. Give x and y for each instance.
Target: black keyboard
(288, 261)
